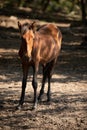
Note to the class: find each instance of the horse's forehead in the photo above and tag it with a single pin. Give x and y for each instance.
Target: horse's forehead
(24, 29)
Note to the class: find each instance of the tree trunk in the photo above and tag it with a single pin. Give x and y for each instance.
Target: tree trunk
(83, 9)
(21, 3)
(45, 4)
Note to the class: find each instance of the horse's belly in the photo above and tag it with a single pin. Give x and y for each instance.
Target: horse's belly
(48, 57)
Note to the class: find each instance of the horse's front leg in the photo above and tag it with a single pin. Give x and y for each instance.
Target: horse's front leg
(24, 81)
(34, 84)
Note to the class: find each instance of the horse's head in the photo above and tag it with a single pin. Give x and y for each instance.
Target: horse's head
(27, 35)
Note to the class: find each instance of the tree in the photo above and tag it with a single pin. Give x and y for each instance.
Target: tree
(83, 9)
(45, 4)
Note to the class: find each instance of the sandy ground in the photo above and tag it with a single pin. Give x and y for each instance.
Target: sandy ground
(68, 107)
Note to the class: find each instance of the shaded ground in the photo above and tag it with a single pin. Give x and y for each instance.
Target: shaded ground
(68, 108)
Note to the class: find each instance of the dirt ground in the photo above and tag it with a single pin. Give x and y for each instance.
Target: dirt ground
(68, 107)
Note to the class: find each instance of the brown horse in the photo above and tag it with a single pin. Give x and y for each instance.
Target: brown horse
(38, 47)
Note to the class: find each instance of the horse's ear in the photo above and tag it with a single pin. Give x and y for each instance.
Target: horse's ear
(19, 25)
(33, 26)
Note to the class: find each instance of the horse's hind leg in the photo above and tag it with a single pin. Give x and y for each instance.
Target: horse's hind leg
(43, 82)
(49, 74)
(49, 91)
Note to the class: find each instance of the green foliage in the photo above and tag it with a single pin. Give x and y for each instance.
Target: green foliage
(55, 6)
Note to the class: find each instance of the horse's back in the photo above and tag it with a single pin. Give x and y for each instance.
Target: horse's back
(48, 29)
(52, 31)
(47, 43)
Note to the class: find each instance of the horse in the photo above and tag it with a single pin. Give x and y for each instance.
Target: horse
(38, 47)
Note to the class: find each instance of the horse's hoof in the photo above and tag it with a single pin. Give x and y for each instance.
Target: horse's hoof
(39, 100)
(48, 100)
(19, 107)
(34, 107)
